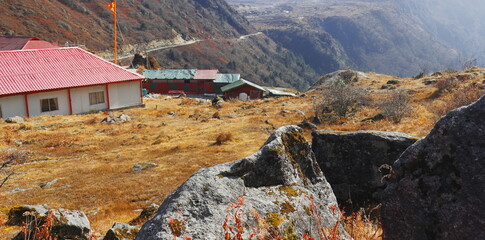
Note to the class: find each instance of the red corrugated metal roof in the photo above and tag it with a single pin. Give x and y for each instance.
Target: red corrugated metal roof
(56, 68)
(206, 74)
(39, 44)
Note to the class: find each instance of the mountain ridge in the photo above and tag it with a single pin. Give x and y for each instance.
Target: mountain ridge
(140, 23)
(386, 36)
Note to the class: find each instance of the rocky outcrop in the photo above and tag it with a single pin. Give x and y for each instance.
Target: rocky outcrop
(121, 231)
(346, 76)
(351, 162)
(116, 119)
(16, 215)
(275, 189)
(61, 223)
(436, 189)
(70, 224)
(145, 214)
(15, 119)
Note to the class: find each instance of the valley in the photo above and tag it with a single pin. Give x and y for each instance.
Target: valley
(391, 37)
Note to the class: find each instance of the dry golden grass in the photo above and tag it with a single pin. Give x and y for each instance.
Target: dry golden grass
(93, 161)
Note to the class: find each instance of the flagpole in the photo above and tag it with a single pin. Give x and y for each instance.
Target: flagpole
(115, 44)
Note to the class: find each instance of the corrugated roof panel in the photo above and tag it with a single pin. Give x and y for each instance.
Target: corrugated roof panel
(206, 74)
(169, 74)
(38, 44)
(242, 82)
(227, 78)
(56, 68)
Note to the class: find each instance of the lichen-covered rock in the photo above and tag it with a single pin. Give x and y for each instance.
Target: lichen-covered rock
(17, 216)
(351, 162)
(145, 214)
(276, 189)
(437, 185)
(70, 224)
(122, 231)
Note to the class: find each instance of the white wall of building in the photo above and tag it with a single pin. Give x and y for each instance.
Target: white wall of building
(35, 103)
(124, 94)
(13, 106)
(80, 99)
(121, 95)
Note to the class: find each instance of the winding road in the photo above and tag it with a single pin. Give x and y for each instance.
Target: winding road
(190, 42)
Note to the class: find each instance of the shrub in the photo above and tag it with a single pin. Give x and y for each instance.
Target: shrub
(419, 75)
(349, 76)
(64, 25)
(238, 222)
(73, 4)
(461, 97)
(340, 98)
(223, 138)
(466, 96)
(38, 227)
(397, 106)
(446, 84)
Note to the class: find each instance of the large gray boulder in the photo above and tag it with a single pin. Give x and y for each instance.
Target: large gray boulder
(351, 162)
(437, 187)
(280, 187)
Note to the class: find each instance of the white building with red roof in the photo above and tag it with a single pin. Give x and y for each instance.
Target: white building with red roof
(62, 81)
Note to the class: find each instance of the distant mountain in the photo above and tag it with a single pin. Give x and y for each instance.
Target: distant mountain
(387, 36)
(457, 23)
(213, 22)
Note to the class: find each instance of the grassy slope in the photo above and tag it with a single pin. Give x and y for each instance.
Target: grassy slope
(95, 159)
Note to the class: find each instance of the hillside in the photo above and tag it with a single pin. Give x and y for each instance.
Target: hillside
(179, 135)
(89, 22)
(166, 23)
(399, 38)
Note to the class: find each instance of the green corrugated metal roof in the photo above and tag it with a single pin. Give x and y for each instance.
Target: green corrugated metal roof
(169, 74)
(239, 83)
(227, 78)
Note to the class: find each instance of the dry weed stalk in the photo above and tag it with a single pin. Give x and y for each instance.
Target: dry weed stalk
(357, 226)
(38, 227)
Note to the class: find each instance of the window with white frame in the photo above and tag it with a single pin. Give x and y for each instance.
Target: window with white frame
(49, 105)
(96, 98)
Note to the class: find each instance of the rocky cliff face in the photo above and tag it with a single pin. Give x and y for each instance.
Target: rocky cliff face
(319, 49)
(276, 187)
(363, 35)
(436, 188)
(400, 38)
